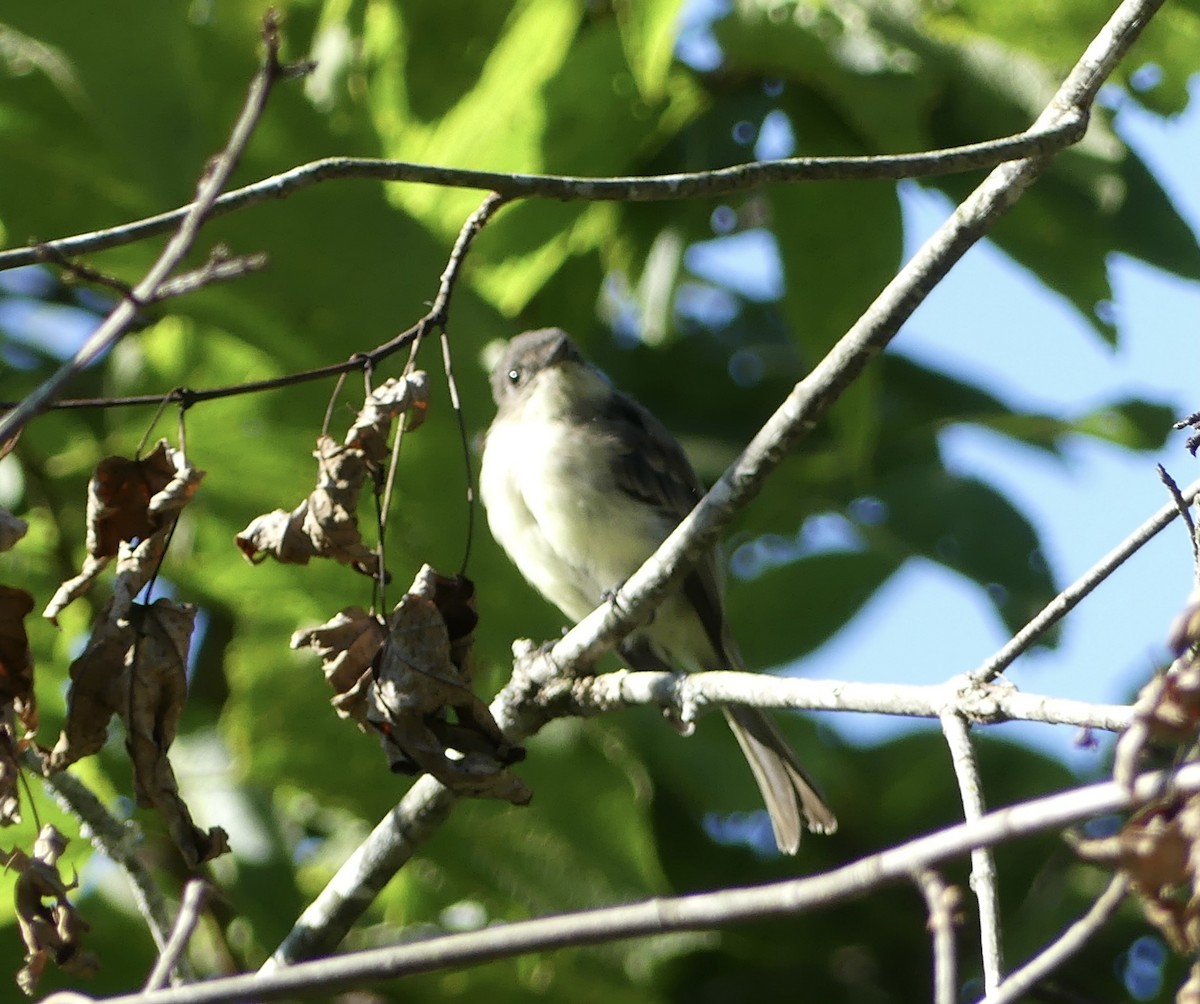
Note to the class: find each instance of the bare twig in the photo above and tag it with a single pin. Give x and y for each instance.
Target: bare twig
(1070, 597)
(190, 906)
(212, 181)
(1071, 941)
(1181, 504)
(701, 911)
(941, 903)
(983, 865)
(433, 320)
(1039, 141)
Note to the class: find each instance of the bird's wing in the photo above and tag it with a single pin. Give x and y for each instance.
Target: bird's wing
(650, 465)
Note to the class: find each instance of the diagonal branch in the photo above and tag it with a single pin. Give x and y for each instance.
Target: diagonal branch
(1020, 982)
(216, 173)
(1069, 598)
(812, 397)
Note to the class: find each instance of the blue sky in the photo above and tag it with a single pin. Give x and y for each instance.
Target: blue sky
(992, 323)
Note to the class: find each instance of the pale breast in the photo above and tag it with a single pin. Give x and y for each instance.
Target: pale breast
(552, 505)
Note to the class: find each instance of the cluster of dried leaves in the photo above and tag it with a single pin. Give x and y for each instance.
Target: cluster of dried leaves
(408, 679)
(135, 662)
(1158, 848)
(134, 666)
(325, 525)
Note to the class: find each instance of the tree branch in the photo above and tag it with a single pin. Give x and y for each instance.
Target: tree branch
(686, 695)
(1039, 141)
(941, 904)
(700, 911)
(118, 841)
(217, 172)
(1072, 940)
(188, 916)
(1069, 598)
(983, 865)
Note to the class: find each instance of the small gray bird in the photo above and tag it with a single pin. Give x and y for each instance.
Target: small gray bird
(581, 485)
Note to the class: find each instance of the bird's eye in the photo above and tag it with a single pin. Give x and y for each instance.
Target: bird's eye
(514, 376)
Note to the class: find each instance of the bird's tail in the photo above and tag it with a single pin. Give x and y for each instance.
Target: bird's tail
(789, 794)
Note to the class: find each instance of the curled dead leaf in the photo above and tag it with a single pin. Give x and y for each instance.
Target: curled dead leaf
(129, 500)
(421, 702)
(10, 774)
(51, 926)
(135, 667)
(16, 659)
(1157, 849)
(325, 525)
(410, 683)
(347, 644)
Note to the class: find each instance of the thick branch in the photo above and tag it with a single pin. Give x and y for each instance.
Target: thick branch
(686, 695)
(701, 911)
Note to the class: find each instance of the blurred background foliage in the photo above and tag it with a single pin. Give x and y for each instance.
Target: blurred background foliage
(707, 310)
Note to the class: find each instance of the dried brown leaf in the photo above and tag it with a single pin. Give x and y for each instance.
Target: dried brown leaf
(51, 927)
(12, 529)
(10, 774)
(347, 645)
(156, 702)
(129, 500)
(386, 402)
(419, 684)
(99, 690)
(325, 525)
(16, 659)
(1156, 849)
(135, 667)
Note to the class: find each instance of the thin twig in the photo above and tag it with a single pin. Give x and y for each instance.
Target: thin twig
(1070, 597)
(1185, 513)
(702, 911)
(190, 907)
(983, 865)
(941, 904)
(1071, 941)
(217, 172)
(434, 319)
(1040, 141)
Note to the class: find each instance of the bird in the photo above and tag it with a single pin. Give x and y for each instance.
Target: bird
(581, 483)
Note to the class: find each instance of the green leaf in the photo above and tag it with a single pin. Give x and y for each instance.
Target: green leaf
(969, 527)
(790, 610)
